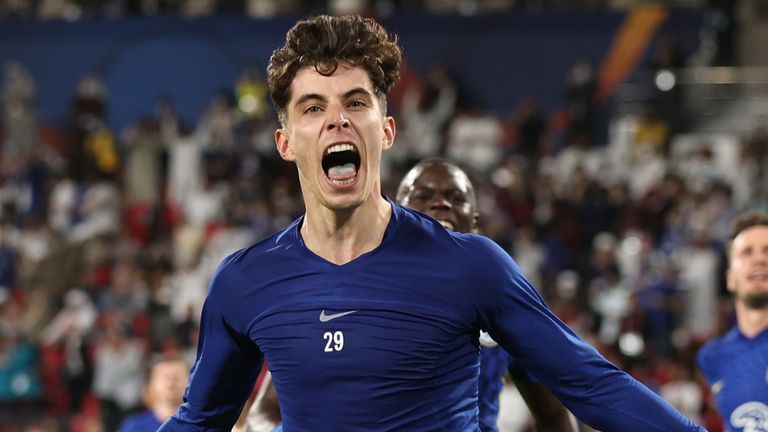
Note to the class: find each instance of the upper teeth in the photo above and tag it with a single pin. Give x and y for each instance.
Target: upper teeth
(339, 148)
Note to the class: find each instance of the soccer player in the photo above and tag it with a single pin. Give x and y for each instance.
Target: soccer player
(442, 190)
(367, 312)
(736, 365)
(162, 395)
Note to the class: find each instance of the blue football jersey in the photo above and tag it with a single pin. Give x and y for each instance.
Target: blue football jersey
(141, 422)
(389, 341)
(493, 366)
(737, 371)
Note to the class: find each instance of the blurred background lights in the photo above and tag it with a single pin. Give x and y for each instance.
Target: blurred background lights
(631, 344)
(665, 80)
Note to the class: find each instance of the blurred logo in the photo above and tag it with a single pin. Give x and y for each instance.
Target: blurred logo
(751, 417)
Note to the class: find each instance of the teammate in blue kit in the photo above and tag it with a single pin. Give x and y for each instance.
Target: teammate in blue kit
(162, 395)
(368, 312)
(442, 190)
(736, 365)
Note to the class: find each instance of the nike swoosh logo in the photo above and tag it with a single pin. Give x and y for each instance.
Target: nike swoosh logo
(716, 387)
(326, 318)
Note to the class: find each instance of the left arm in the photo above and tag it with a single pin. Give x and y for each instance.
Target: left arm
(595, 390)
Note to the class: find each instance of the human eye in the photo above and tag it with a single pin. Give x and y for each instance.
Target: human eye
(357, 103)
(311, 109)
(457, 197)
(420, 196)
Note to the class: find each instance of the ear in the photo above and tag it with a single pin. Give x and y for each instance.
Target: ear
(283, 146)
(729, 282)
(475, 223)
(389, 132)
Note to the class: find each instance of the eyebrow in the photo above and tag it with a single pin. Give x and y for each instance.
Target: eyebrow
(310, 96)
(357, 90)
(321, 98)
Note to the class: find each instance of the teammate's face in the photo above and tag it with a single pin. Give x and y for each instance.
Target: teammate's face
(167, 382)
(335, 131)
(445, 193)
(748, 272)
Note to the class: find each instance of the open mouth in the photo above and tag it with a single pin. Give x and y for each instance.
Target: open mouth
(447, 224)
(341, 163)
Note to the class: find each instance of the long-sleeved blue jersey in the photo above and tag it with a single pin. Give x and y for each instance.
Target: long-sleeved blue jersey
(737, 370)
(389, 341)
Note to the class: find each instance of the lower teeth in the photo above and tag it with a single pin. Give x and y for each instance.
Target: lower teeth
(343, 182)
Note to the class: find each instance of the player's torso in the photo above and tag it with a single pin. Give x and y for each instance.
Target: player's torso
(386, 342)
(740, 385)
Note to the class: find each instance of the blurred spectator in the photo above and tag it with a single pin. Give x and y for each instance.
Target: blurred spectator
(425, 111)
(530, 126)
(69, 332)
(20, 385)
(698, 264)
(144, 145)
(117, 381)
(474, 137)
(19, 114)
(651, 135)
(217, 127)
(97, 211)
(659, 302)
(580, 99)
(698, 168)
(163, 392)
(185, 168)
(682, 391)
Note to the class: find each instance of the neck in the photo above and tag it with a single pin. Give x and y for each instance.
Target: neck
(340, 236)
(751, 322)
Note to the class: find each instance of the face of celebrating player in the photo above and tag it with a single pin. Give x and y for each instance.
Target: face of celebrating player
(445, 193)
(748, 272)
(335, 131)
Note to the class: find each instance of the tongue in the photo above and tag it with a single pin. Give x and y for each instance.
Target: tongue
(341, 172)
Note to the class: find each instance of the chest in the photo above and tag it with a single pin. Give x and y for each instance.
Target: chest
(369, 323)
(741, 388)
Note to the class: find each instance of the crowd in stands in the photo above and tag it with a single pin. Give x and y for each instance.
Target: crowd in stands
(108, 238)
(72, 10)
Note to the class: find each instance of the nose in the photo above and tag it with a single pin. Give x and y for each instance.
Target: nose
(338, 120)
(439, 202)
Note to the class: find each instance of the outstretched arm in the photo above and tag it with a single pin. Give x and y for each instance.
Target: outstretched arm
(596, 391)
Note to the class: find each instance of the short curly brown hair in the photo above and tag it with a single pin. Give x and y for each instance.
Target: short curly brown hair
(323, 41)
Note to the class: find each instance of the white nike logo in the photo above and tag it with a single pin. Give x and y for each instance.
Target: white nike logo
(717, 386)
(326, 318)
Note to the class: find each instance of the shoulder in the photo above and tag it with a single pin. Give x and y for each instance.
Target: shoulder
(272, 247)
(419, 232)
(140, 422)
(419, 226)
(259, 258)
(713, 352)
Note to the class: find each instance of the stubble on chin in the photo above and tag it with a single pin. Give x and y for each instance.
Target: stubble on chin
(755, 300)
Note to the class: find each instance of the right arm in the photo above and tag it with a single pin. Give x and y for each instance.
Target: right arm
(223, 375)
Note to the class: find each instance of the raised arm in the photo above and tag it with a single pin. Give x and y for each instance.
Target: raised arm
(596, 391)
